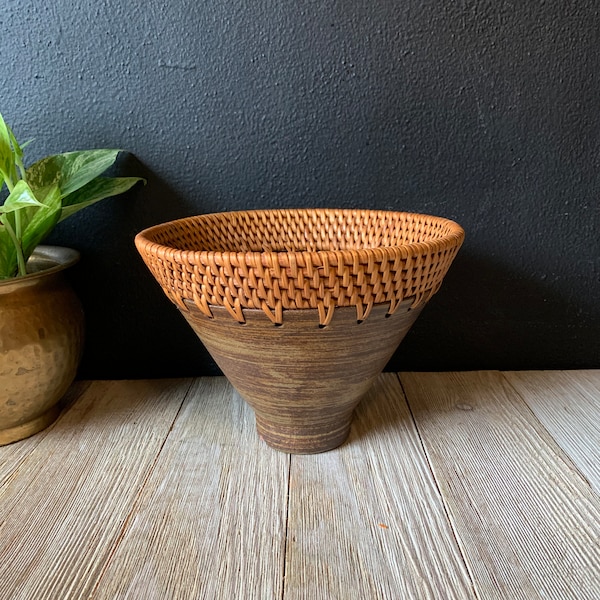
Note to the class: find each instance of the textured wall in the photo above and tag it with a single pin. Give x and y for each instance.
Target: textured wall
(484, 112)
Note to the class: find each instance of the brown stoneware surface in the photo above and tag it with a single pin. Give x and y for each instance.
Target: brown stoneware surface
(302, 380)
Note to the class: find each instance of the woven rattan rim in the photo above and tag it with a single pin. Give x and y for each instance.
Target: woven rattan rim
(278, 260)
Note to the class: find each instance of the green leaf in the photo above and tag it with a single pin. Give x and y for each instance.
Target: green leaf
(8, 254)
(95, 190)
(19, 211)
(7, 165)
(70, 171)
(41, 222)
(17, 152)
(8, 220)
(21, 197)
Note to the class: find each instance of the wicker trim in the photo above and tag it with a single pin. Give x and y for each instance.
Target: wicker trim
(277, 260)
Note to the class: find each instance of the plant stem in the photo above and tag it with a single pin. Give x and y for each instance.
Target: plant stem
(21, 166)
(17, 214)
(22, 268)
(9, 183)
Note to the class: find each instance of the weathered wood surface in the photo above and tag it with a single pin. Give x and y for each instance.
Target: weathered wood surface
(454, 485)
(366, 520)
(568, 405)
(526, 521)
(63, 511)
(210, 522)
(12, 456)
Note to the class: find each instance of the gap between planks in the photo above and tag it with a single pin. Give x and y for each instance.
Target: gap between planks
(211, 520)
(63, 516)
(398, 511)
(366, 519)
(526, 521)
(567, 403)
(440, 492)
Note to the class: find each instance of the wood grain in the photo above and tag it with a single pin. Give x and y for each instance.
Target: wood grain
(527, 522)
(211, 520)
(568, 405)
(366, 520)
(483, 486)
(13, 455)
(64, 509)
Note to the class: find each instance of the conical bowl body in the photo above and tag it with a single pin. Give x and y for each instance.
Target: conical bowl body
(301, 308)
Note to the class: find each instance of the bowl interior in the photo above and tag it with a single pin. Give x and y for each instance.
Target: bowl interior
(309, 230)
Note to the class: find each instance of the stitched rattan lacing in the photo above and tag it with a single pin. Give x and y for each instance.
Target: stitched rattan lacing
(278, 260)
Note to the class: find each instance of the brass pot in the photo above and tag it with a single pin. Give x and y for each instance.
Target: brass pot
(41, 340)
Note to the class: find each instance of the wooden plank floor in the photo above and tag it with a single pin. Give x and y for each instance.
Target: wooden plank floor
(452, 485)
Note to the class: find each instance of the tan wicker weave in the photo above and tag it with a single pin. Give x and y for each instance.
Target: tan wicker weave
(276, 260)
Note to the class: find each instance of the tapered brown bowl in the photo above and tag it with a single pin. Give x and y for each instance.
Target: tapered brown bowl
(301, 308)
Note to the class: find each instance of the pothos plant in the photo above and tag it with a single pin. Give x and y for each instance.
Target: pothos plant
(47, 192)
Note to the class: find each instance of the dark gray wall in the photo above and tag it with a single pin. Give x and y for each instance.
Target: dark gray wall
(484, 112)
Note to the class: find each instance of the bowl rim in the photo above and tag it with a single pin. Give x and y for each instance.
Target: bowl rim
(452, 238)
(279, 280)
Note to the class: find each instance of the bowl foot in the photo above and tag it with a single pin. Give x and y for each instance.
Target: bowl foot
(302, 439)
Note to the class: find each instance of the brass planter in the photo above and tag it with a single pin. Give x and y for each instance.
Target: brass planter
(41, 340)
